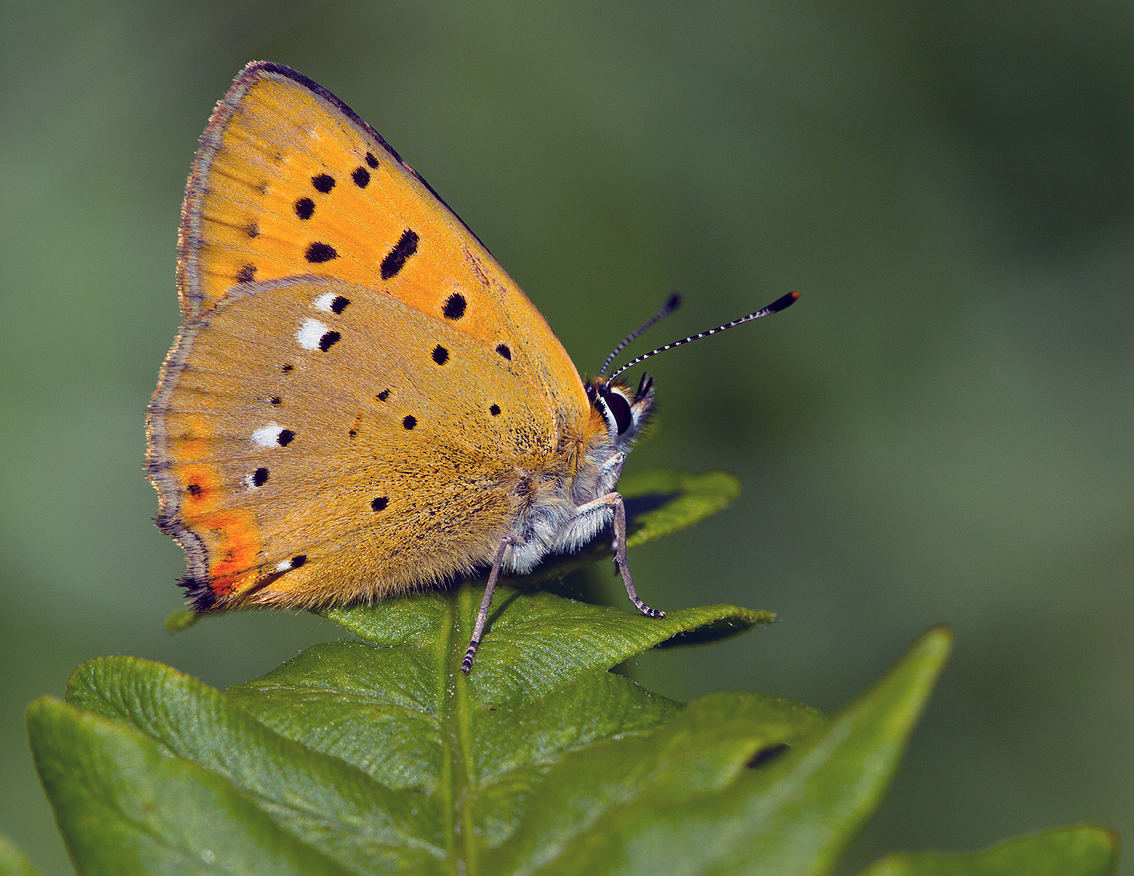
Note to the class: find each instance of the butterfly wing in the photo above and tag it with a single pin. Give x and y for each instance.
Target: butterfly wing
(319, 442)
(288, 180)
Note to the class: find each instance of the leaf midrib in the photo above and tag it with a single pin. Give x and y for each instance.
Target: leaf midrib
(456, 739)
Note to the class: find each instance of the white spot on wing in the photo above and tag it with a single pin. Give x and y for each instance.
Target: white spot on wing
(324, 302)
(309, 334)
(267, 436)
(284, 566)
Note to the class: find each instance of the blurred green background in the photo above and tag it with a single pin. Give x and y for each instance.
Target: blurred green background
(942, 430)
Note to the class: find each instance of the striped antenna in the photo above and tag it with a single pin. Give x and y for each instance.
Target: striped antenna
(668, 308)
(775, 307)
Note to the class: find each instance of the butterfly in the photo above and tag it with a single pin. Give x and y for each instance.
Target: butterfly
(360, 401)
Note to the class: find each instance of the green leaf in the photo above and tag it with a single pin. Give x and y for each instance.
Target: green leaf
(1081, 850)
(13, 862)
(125, 806)
(791, 817)
(375, 757)
(370, 757)
(534, 640)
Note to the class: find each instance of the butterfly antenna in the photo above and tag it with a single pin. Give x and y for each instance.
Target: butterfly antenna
(669, 307)
(775, 307)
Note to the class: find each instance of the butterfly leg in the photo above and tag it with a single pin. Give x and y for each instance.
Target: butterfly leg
(614, 501)
(485, 604)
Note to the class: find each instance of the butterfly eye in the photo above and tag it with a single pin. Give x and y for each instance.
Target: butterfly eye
(618, 408)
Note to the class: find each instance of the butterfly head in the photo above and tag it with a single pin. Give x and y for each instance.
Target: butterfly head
(624, 411)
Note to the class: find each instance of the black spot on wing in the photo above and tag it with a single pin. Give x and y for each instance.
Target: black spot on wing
(304, 208)
(395, 259)
(320, 252)
(323, 182)
(455, 306)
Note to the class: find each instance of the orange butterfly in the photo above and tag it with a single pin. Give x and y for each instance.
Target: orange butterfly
(361, 401)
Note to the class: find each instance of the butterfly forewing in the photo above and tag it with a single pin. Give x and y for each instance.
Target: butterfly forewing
(288, 180)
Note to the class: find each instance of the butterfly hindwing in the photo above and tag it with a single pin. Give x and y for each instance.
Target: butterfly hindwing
(314, 437)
